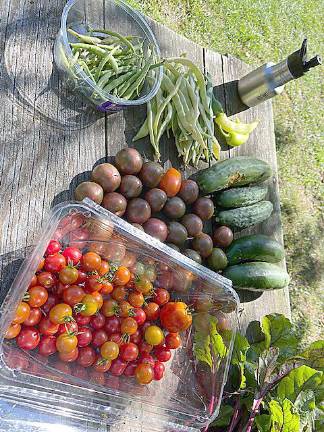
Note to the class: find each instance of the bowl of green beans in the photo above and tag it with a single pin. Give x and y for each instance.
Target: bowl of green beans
(106, 51)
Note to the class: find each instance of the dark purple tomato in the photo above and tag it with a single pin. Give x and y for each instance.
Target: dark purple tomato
(156, 228)
(174, 247)
(189, 191)
(204, 208)
(138, 211)
(177, 233)
(203, 244)
(129, 161)
(174, 208)
(90, 190)
(115, 202)
(192, 254)
(223, 236)
(151, 174)
(193, 224)
(156, 199)
(107, 176)
(130, 186)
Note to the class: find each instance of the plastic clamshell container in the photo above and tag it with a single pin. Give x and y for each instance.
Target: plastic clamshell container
(114, 15)
(188, 396)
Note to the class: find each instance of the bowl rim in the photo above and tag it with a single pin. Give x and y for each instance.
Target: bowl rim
(141, 22)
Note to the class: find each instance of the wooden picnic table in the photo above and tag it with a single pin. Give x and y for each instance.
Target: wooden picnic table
(50, 139)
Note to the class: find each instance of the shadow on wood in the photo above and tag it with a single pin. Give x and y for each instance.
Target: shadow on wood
(231, 92)
(10, 263)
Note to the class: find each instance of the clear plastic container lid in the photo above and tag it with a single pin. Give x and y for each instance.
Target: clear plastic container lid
(189, 395)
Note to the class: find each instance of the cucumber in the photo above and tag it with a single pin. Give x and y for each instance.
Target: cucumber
(241, 197)
(256, 247)
(257, 276)
(244, 217)
(234, 172)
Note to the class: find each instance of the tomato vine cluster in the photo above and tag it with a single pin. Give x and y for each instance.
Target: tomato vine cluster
(103, 316)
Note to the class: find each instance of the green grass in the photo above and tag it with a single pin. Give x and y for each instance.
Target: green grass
(264, 30)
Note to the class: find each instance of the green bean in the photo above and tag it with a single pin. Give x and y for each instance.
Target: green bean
(143, 132)
(140, 78)
(92, 48)
(116, 35)
(150, 128)
(164, 124)
(120, 80)
(86, 70)
(85, 38)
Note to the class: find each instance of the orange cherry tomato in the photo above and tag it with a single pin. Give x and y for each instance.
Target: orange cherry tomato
(104, 268)
(175, 317)
(125, 309)
(143, 285)
(144, 373)
(91, 261)
(109, 350)
(22, 313)
(110, 308)
(66, 343)
(119, 293)
(128, 326)
(37, 296)
(41, 265)
(122, 276)
(136, 299)
(12, 331)
(98, 297)
(60, 313)
(172, 341)
(171, 182)
(89, 305)
(106, 287)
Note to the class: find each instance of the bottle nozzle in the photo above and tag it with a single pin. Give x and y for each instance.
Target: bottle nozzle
(315, 61)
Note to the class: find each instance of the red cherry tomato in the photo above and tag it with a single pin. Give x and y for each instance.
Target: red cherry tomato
(144, 373)
(98, 297)
(60, 288)
(84, 336)
(172, 341)
(12, 331)
(34, 318)
(54, 263)
(70, 356)
(128, 326)
(46, 279)
(73, 295)
(129, 352)
(91, 261)
(152, 311)
(99, 338)
(65, 343)
(93, 283)
(47, 346)
(52, 300)
(37, 296)
(175, 317)
(110, 308)
(53, 247)
(33, 281)
(162, 354)
(144, 347)
(130, 369)
(82, 320)
(72, 254)
(117, 367)
(112, 325)
(161, 296)
(87, 356)
(98, 321)
(117, 338)
(68, 327)
(139, 316)
(146, 358)
(47, 328)
(106, 288)
(82, 277)
(68, 275)
(102, 365)
(136, 299)
(119, 293)
(171, 182)
(122, 276)
(28, 338)
(136, 338)
(159, 369)
(41, 265)
(60, 313)
(22, 313)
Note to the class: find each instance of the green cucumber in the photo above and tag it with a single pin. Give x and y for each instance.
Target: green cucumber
(241, 197)
(256, 247)
(233, 172)
(257, 276)
(245, 217)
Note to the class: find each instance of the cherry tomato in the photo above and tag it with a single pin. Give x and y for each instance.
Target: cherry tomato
(82, 320)
(80, 372)
(87, 356)
(112, 325)
(106, 288)
(152, 311)
(28, 338)
(139, 315)
(109, 350)
(99, 338)
(54, 263)
(154, 335)
(68, 327)
(82, 277)
(144, 373)
(136, 299)
(66, 343)
(119, 293)
(60, 288)
(46, 327)
(62, 367)
(37, 296)
(150, 272)
(171, 182)
(130, 369)
(175, 317)
(125, 309)
(88, 305)
(98, 297)
(22, 313)
(33, 281)
(117, 338)
(172, 341)
(47, 346)
(131, 283)
(122, 276)
(70, 356)
(165, 280)
(110, 308)
(41, 265)
(93, 283)
(72, 254)
(52, 300)
(146, 358)
(104, 268)
(128, 326)
(161, 296)
(145, 348)
(102, 365)
(128, 352)
(78, 236)
(60, 313)
(162, 354)
(97, 377)
(136, 337)
(98, 321)
(73, 295)
(143, 285)
(34, 318)
(53, 247)
(159, 369)
(117, 367)
(46, 279)
(91, 261)
(145, 325)
(68, 275)
(12, 331)
(84, 336)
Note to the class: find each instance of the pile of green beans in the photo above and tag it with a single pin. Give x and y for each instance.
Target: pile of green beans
(117, 64)
(183, 106)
